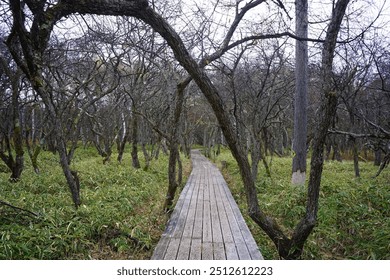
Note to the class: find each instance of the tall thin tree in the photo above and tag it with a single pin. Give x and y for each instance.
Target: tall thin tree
(300, 102)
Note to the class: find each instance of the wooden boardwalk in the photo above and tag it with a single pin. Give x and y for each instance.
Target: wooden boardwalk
(206, 223)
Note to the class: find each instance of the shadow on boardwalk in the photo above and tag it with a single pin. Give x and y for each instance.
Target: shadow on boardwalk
(206, 223)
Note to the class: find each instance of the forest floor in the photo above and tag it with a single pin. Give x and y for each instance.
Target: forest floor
(120, 216)
(121, 213)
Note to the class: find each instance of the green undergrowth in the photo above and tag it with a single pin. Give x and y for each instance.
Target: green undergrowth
(353, 217)
(120, 217)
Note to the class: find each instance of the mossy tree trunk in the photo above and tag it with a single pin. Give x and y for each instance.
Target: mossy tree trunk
(14, 163)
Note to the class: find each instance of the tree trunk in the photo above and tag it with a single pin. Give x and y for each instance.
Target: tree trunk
(156, 153)
(179, 171)
(70, 175)
(18, 163)
(378, 156)
(123, 140)
(355, 129)
(384, 164)
(134, 141)
(33, 152)
(174, 145)
(355, 158)
(172, 183)
(255, 158)
(336, 151)
(146, 156)
(300, 109)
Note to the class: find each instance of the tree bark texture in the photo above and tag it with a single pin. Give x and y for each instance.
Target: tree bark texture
(122, 142)
(174, 155)
(33, 152)
(300, 101)
(378, 156)
(134, 140)
(146, 156)
(71, 176)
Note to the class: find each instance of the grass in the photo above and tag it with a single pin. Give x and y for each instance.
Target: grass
(353, 217)
(120, 217)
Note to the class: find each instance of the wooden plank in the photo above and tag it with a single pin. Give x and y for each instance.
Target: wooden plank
(171, 225)
(181, 220)
(196, 249)
(172, 249)
(225, 227)
(219, 251)
(198, 223)
(215, 221)
(242, 251)
(207, 251)
(161, 248)
(206, 227)
(231, 251)
(247, 237)
(241, 231)
(189, 223)
(184, 249)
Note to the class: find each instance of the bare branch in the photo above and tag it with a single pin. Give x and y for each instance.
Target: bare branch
(355, 135)
(18, 208)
